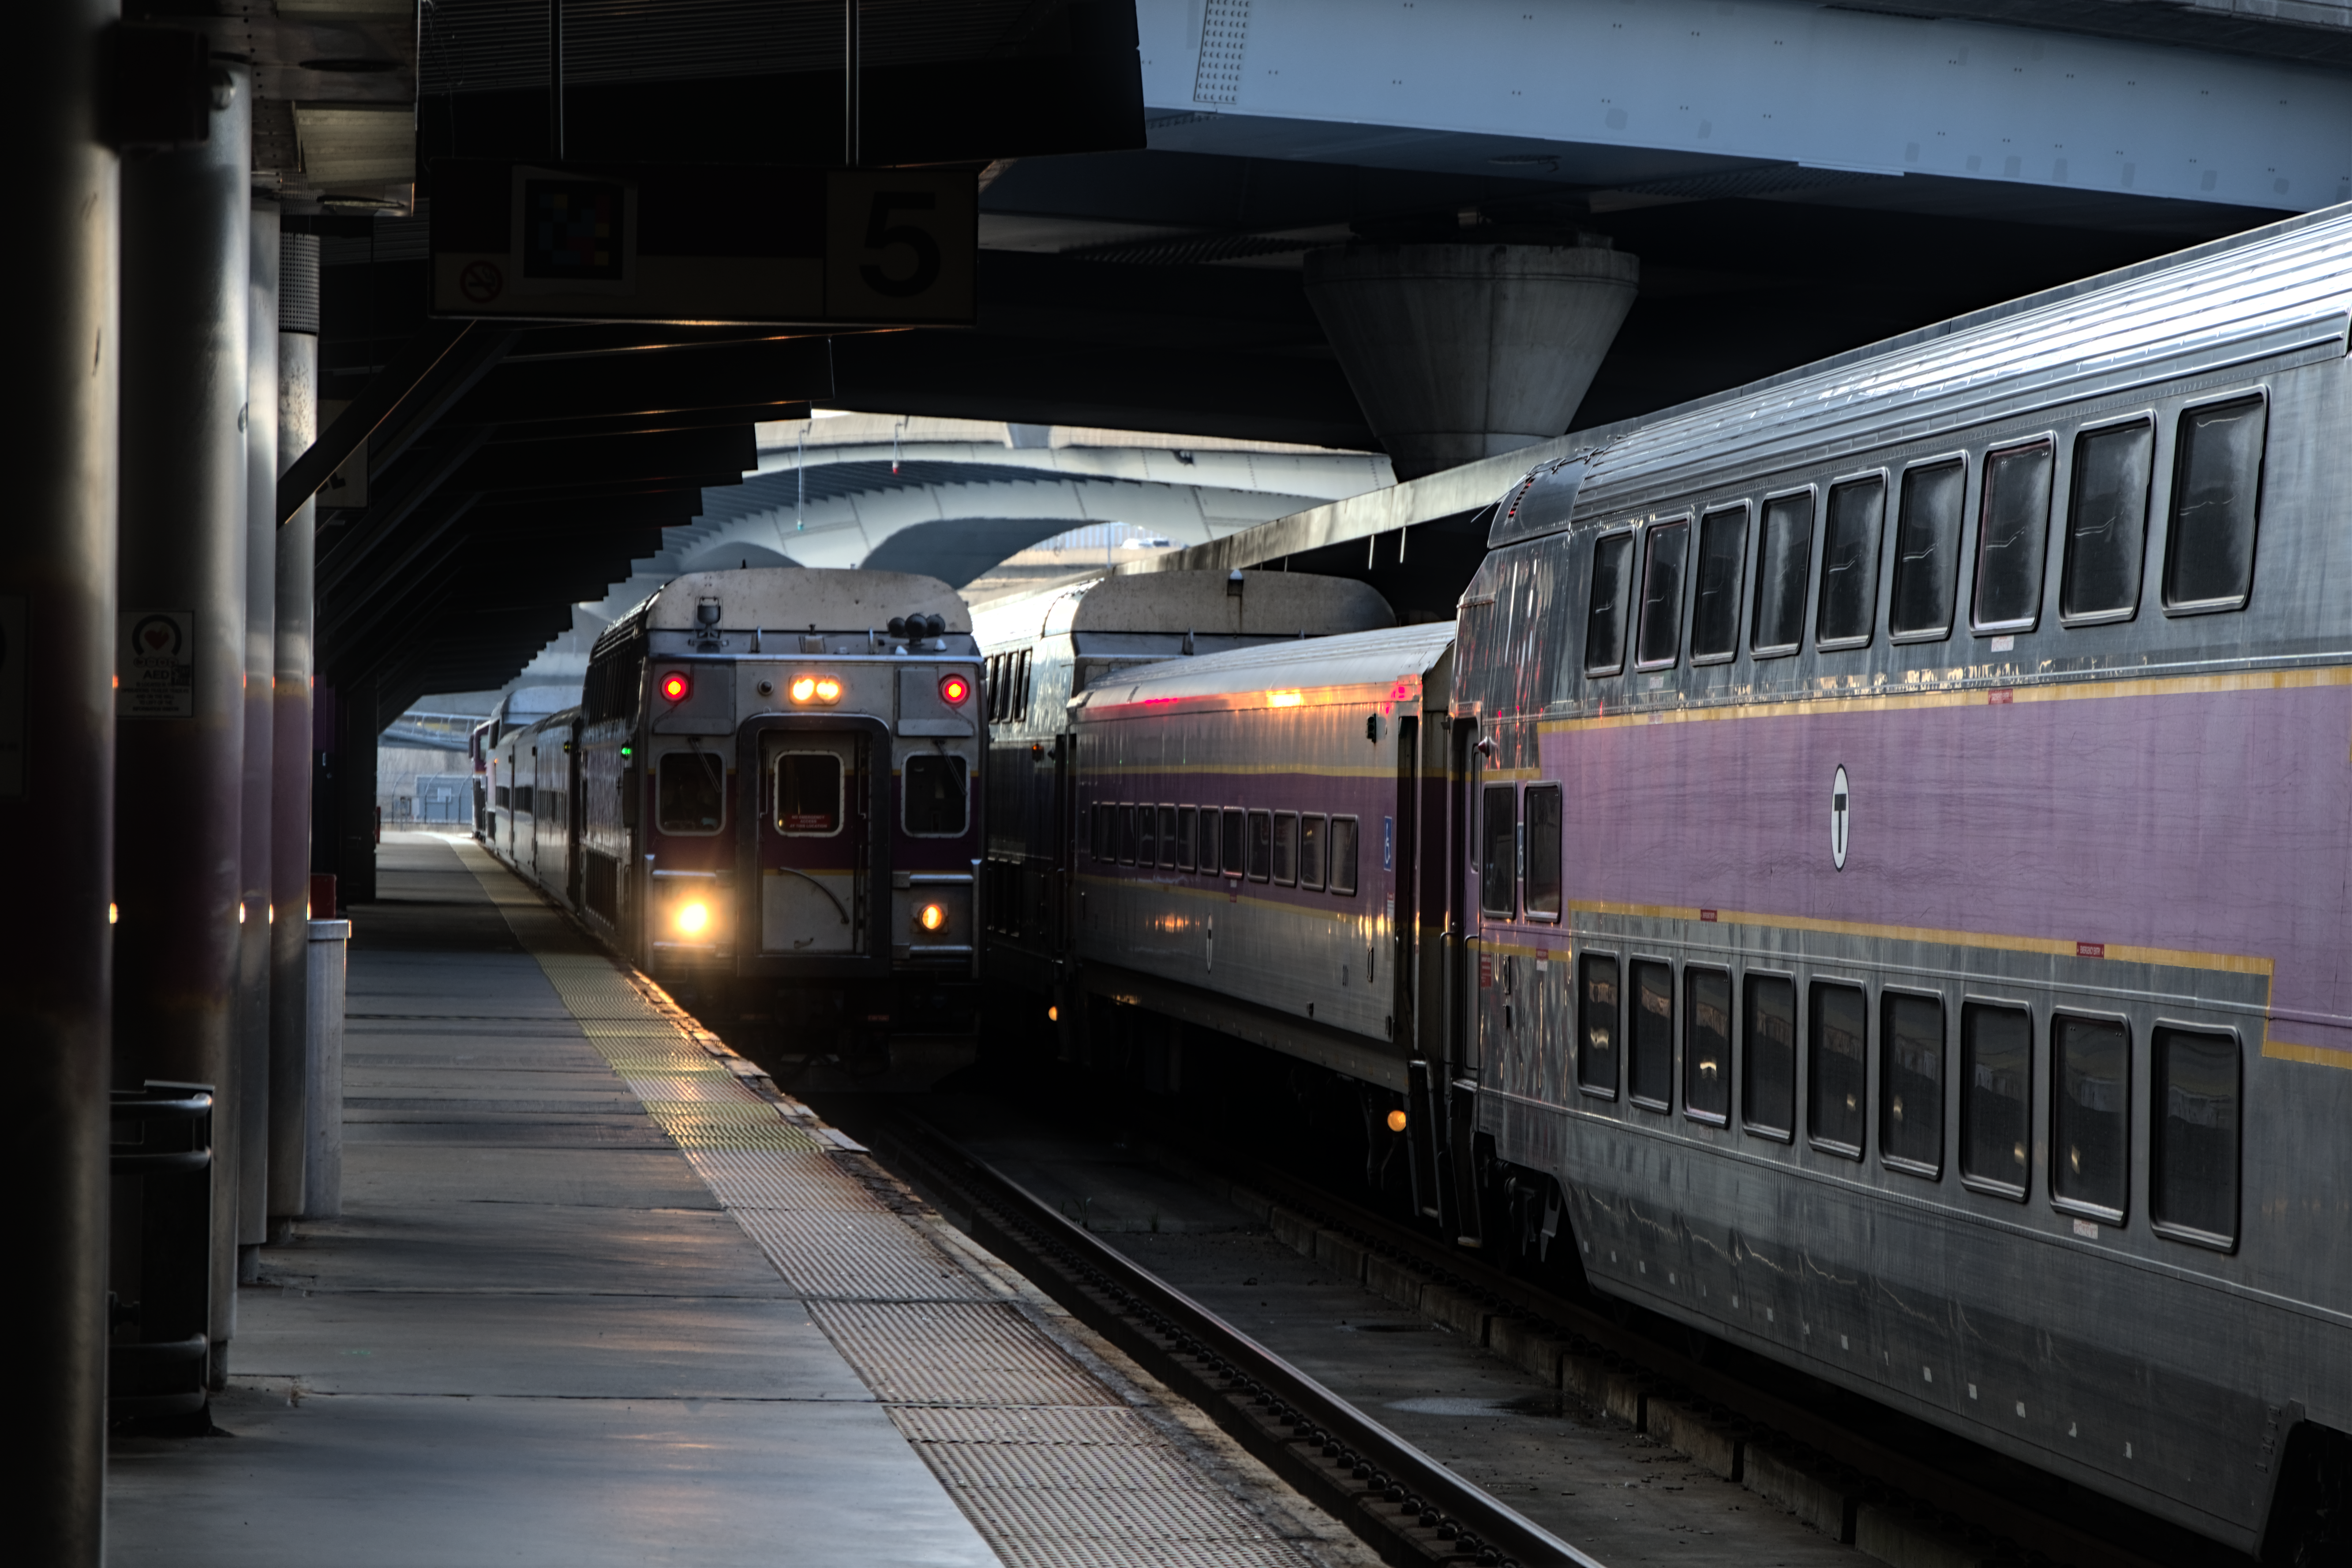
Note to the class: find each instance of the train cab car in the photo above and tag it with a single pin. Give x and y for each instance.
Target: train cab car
(1911, 859)
(1045, 649)
(781, 812)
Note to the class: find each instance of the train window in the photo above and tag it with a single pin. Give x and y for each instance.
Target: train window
(1650, 1067)
(1849, 607)
(2012, 536)
(1168, 836)
(1499, 858)
(1604, 614)
(808, 793)
(1707, 1044)
(2192, 1185)
(1261, 846)
(1783, 557)
(2217, 481)
(2106, 521)
(988, 679)
(1020, 688)
(1995, 1078)
(504, 796)
(1147, 837)
(1286, 847)
(1768, 1086)
(1543, 873)
(1229, 845)
(1911, 1082)
(1927, 550)
(938, 795)
(1207, 844)
(1662, 595)
(1837, 1067)
(1343, 857)
(1715, 613)
(1314, 837)
(690, 792)
(1597, 1024)
(2090, 1105)
(1187, 822)
(1127, 835)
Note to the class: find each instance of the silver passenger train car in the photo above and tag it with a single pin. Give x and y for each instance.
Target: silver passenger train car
(1045, 649)
(768, 798)
(1888, 868)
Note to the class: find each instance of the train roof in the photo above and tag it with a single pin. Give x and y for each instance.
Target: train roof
(1271, 604)
(2281, 290)
(791, 598)
(1318, 671)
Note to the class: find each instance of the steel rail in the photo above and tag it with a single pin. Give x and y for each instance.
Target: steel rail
(1405, 1504)
(2083, 1542)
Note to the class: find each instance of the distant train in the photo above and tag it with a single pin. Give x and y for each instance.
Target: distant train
(768, 799)
(1868, 869)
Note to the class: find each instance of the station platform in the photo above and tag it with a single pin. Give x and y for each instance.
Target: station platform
(600, 1295)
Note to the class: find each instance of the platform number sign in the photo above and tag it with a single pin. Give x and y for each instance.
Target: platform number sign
(1839, 816)
(900, 245)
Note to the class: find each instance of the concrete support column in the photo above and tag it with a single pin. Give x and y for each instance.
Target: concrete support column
(289, 737)
(1463, 352)
(253, 847)
(57, 773)
(180, 713)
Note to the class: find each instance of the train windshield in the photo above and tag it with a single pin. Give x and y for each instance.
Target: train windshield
(692, 796)
(937, 801)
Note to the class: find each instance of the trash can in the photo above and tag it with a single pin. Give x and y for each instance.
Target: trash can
(160, 1250)
(323, 1171)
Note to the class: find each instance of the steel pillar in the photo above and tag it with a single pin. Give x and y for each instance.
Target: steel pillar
(289, 739)
(180, 713)
(56, 773)
(260, 906)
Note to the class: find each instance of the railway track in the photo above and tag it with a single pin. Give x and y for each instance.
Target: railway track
(1927, 1491)
(1406, 1505)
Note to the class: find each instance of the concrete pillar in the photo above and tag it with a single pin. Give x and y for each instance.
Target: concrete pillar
(289, 737)
(180, 711)
(255, 934)
(1463, 352)
(56, 773)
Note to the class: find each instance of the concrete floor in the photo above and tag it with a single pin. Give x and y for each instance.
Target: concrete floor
(533, 1337)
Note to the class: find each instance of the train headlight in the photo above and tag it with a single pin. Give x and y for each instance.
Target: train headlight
(1396, 1120)
(828, 689)
(803, 689)
(932, 918)
(693, 918)
(820, 688)
(677, 685)
(953, 690)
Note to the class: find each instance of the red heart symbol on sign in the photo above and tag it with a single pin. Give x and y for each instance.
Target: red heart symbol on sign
(158, 636)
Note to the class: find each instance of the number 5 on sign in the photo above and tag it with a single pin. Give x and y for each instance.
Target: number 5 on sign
(901, 245)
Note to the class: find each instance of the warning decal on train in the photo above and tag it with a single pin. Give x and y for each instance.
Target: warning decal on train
(158, 665)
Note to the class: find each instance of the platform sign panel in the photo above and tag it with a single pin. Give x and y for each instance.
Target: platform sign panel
(704, 243)
(12, 649)
(156, 668)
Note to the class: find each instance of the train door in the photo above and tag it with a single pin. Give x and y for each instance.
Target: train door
(815, 842)
(1460, 1044)
(576, 814)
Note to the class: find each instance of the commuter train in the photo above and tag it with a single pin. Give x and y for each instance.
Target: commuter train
(1868, 872)
(767, 799)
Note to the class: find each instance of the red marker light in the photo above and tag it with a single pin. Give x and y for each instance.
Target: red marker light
(955, 689)
(675, 686)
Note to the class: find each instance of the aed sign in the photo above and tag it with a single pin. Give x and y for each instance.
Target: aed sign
(704, 244)
(157, 672)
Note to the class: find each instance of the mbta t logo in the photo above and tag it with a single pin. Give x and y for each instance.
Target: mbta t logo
(1838, 819)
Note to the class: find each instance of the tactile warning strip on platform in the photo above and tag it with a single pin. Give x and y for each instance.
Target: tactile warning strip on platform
(1053, 1467)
